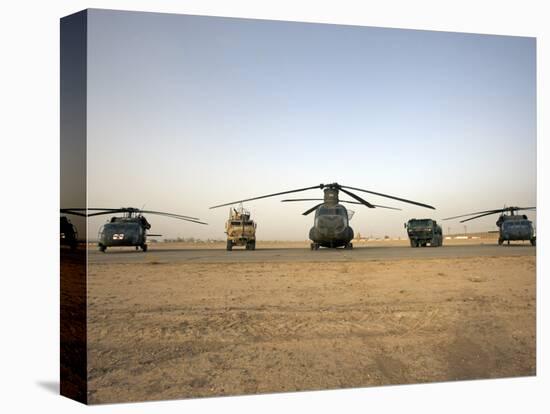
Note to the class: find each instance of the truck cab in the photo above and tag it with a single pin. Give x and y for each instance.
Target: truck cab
(422, 232)
(240, 229)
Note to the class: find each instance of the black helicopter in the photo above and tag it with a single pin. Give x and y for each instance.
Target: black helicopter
(129, 229)
(68, 233)
(331, 224)
(511, 226)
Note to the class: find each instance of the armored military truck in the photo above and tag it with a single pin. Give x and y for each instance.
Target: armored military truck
(422, 232)
(240, 229)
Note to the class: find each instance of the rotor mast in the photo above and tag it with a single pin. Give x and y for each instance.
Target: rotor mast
(331, 195)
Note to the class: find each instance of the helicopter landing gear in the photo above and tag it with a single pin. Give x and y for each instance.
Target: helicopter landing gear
(508, 242)
(314, 246)
(500, 241)
(102, 248)
(348, 246)
(144, 247)
(533, 241)
(137, 247)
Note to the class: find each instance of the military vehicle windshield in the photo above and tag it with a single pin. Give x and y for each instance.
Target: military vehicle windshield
(240, 223)
(420, 223)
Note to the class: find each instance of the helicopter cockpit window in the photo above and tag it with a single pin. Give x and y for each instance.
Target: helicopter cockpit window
(515, 223)
(332, 211)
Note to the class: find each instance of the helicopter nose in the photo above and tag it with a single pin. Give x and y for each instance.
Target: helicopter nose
(331, 224)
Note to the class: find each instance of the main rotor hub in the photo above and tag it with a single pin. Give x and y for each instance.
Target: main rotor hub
(331, 195)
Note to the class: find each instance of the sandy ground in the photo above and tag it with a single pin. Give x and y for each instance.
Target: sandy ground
(165, 330)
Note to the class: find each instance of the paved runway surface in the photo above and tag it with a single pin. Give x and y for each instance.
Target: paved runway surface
(126, 255)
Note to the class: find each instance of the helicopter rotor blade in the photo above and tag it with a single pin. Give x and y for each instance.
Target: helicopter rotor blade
(74, 213)
(341, 201)
(488, 212)
(479, 212)
(103, 211)
(312, 209)
(301, 199)
(389, 208)
(106, 212)
(268, 195)
(168, 214)
(365, 202)
(481, 215)
(388, 196)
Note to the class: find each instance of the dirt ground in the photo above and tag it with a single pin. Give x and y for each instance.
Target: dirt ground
(161, 330)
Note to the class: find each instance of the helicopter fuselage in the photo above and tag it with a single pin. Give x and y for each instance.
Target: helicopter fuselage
(331, 226)
(515, 228)
(124, 231)
(68, 233)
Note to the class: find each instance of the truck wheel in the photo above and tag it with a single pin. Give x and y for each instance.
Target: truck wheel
(229, 245)
(144, 247)
(253, 245)
(424, 244)
(413, 244)
(102, 248)
(533, 241)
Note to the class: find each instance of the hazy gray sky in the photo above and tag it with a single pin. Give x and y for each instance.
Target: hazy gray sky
(185, 112)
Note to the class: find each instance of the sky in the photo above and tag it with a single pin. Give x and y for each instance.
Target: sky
(186, 112)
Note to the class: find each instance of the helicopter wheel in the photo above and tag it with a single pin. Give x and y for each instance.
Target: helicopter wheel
(533, 241)
(144, 247)
(508, 242)
(500, 241)
(102, 248)
(348, 246)
(137, 247)
(314, 246)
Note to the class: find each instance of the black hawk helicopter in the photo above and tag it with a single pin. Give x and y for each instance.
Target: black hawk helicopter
(129, 229)
(511, 226)
(331, 224)
(68, 233)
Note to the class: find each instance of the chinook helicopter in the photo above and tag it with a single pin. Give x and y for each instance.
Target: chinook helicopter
(331, 224)
(511, 226)
(129, 229)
